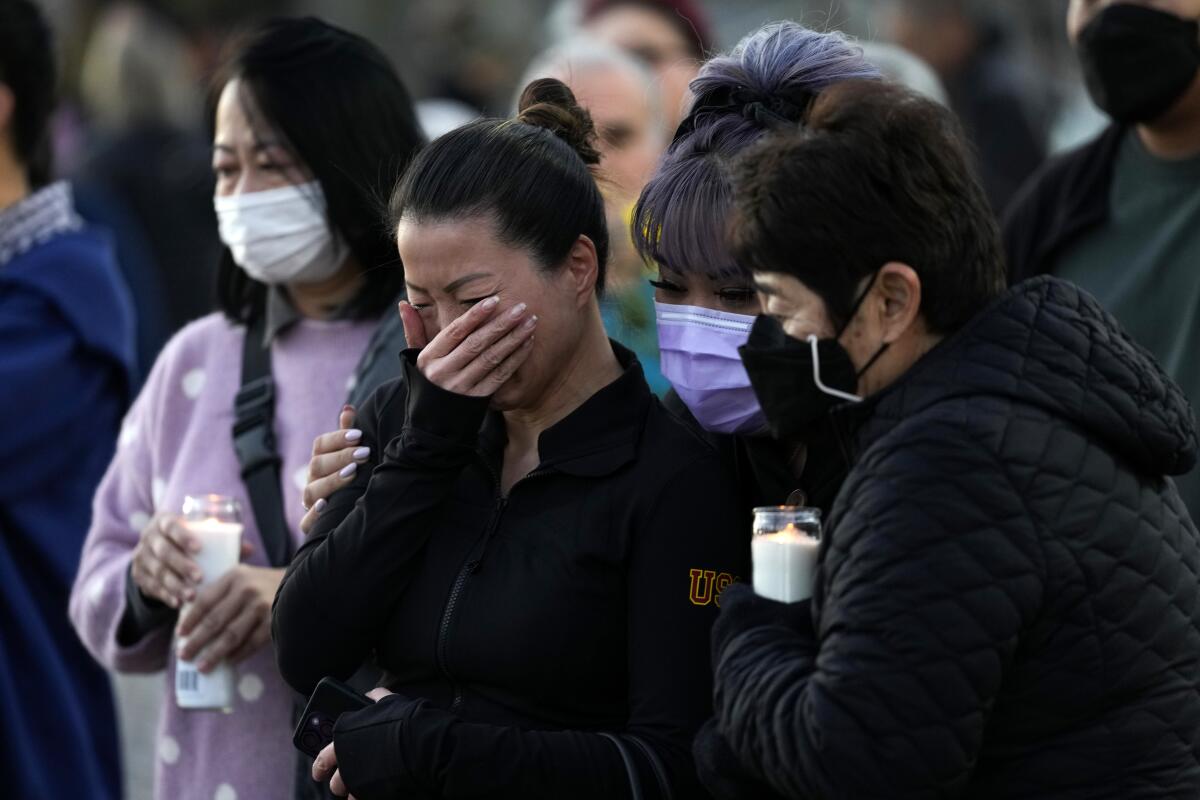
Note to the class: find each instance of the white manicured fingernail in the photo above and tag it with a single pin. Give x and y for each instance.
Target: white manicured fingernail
(348, 470)
(361, 453)
(529, 323)
(517, 310)
(491, 301)
(319, 506)
(353, 435)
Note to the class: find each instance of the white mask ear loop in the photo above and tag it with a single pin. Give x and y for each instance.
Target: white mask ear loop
(853, 398)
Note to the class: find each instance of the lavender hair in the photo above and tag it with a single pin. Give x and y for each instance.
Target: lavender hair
(680, 218)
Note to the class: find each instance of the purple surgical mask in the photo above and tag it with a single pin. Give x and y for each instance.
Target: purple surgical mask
(698, 350)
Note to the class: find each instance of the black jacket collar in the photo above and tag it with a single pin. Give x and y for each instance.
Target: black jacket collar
(595, 439)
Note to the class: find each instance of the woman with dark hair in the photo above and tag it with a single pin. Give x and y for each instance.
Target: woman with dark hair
(706, 300)
(312, 125)
(534, 548)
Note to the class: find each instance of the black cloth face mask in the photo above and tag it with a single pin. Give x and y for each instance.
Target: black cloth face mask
(1138, 61)
(798, 382)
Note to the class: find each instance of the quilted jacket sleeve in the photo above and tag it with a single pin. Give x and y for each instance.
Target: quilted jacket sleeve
(932, 570)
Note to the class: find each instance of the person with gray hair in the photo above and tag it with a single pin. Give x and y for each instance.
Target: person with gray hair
(625, 103)
(620, 94)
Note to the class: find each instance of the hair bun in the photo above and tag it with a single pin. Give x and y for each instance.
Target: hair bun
(548, 103)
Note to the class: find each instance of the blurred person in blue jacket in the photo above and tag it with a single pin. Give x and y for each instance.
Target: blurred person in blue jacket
(66, 367)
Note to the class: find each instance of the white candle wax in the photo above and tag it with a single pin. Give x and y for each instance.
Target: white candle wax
(784, 563)
(220, 546)
(220, 551)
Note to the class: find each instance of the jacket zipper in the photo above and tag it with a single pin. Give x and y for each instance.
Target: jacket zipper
(468, 568)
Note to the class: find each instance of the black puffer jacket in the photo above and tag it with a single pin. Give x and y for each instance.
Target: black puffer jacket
(1008, 601)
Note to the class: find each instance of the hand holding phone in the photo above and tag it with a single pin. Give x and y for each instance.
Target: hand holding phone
(329, 700)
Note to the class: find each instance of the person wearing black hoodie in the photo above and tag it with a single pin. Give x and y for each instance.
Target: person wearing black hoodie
(1006, 600)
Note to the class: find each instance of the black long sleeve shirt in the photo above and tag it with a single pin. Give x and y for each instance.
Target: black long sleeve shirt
(548, 643)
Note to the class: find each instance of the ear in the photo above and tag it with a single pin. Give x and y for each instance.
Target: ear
(899, 288)
(582, 270)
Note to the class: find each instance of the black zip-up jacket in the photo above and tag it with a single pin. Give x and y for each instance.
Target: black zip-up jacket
(548, 643)
(1065, 199)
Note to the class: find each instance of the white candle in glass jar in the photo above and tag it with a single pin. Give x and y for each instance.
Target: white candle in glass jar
(220, 546)
(220, 550)
(784, 563)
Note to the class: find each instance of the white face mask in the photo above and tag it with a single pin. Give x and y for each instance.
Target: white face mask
(280, 235)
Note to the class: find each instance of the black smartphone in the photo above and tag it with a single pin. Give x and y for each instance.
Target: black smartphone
(329, 700)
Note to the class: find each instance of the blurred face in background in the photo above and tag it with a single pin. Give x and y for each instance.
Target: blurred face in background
(647, 35)
(627, 122)
(1081, 12)
(939, 34)
(626, 110)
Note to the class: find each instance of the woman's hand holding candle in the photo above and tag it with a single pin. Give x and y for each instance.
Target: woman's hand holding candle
(164, 566)
(230, 619)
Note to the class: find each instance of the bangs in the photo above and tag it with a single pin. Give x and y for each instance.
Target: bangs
(681, 219)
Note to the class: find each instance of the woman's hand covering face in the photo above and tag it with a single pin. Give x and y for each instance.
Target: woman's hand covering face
(478, 351)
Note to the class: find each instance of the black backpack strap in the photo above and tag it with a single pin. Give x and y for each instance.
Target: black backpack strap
(254, 443)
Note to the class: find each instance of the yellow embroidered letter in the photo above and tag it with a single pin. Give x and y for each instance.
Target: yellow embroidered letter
(723, 580)
(701, 592)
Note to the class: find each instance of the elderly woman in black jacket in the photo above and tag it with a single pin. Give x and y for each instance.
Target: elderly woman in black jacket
(1007, 600)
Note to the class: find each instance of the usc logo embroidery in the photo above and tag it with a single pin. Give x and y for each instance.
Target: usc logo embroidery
(707, 585)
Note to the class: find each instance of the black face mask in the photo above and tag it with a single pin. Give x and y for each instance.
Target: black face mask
(799, 382)
(1138, 61)
(781, 372)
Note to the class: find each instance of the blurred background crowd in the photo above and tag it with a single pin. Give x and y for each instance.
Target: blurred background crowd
(131, 130)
